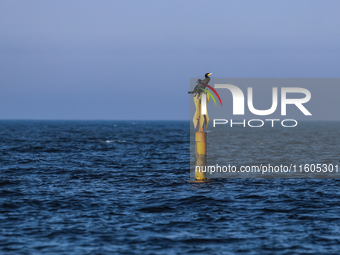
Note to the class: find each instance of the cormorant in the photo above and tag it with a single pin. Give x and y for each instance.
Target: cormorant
(200, 84)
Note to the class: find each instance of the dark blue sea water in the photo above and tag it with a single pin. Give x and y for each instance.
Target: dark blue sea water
(120, 187)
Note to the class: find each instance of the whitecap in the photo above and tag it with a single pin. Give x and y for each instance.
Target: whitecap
(115, 141)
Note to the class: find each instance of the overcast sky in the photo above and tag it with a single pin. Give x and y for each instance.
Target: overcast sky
(79, 59)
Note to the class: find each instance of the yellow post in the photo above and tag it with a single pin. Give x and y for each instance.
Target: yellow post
(201, 154)
(200, 138)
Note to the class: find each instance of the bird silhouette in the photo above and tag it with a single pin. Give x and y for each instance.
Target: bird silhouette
(197, 89)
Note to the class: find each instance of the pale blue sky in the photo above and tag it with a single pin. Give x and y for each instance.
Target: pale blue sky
(80, 59)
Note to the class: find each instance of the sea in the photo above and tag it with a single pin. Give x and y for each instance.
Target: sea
(124, 187)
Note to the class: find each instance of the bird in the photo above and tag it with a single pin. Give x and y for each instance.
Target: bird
(197, 89)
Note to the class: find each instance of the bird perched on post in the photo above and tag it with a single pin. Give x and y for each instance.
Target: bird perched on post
(200, 84)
